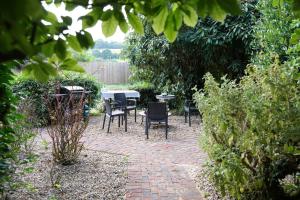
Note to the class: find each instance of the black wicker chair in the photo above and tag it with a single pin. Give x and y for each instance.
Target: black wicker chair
(156, 112)
(189, 109)
(109, 112)
(121, 102)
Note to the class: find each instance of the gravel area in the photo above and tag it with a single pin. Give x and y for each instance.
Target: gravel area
(97, 175)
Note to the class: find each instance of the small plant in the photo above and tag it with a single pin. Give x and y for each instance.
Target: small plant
(67, 126)
(55, 178)
(45, 144)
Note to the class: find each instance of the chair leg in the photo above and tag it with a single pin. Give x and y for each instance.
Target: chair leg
(125, 116)
(104, 121)
(166, 129)
(109, 120)
(189, 119)
(122, 119)
(185, 117)
(146, 128)
(135, 115)
(118, 121)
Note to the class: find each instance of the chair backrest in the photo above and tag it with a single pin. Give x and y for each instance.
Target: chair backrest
(120, 100)
(157, 111)
(108, 107)
(189, 103)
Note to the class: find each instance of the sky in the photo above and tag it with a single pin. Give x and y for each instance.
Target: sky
(95, 31)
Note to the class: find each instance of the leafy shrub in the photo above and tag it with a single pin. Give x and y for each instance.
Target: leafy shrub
(15, 132)
(37, 90)
(252, 130)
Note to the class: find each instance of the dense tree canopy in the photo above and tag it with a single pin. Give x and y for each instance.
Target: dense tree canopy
(220, 48)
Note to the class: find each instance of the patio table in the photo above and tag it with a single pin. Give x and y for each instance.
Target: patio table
(165, 98)
(109, 94)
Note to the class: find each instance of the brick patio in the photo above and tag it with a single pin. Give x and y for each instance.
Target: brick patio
(158, 168)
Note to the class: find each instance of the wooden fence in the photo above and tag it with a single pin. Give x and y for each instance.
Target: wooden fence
(108, 72)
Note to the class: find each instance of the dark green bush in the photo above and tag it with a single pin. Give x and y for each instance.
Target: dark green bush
(37, 91)
(147, 93)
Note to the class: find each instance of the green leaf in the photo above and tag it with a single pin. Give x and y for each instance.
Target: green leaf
(122, 22)
(230, 6)
(38, 73)
(123, 26)
(202, 9)
(190, 16)
(73, 43)
(48, 49)
(109, 27)
(217, 13)
(48, 1)
(51, 17)
(60, 49)
(27, 70)
(67, 20)
(85, 39)
(178, 18)
(106, 15)
(135, 23)
(277, 3)
(91, 18)
(170, 30)
(159, 20)
(295, 37)
(296, 8)
(48, 68)
(87, 21)
(70, 6)
(71, 65)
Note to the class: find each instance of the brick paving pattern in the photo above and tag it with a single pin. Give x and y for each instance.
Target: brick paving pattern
(158, 168)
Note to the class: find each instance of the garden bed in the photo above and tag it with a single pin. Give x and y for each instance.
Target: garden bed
(97, 175)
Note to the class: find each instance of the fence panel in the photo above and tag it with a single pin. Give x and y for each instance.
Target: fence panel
(108, 72)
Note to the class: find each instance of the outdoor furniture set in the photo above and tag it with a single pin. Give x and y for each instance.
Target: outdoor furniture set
(118, 103)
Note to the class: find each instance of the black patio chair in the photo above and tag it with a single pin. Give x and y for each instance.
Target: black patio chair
(122, 103)
(156, 112)
(109, 112)
(189, 109)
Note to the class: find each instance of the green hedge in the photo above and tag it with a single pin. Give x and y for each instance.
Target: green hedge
(37, 91)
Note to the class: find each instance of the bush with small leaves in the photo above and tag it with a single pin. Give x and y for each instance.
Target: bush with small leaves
(252, 131)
